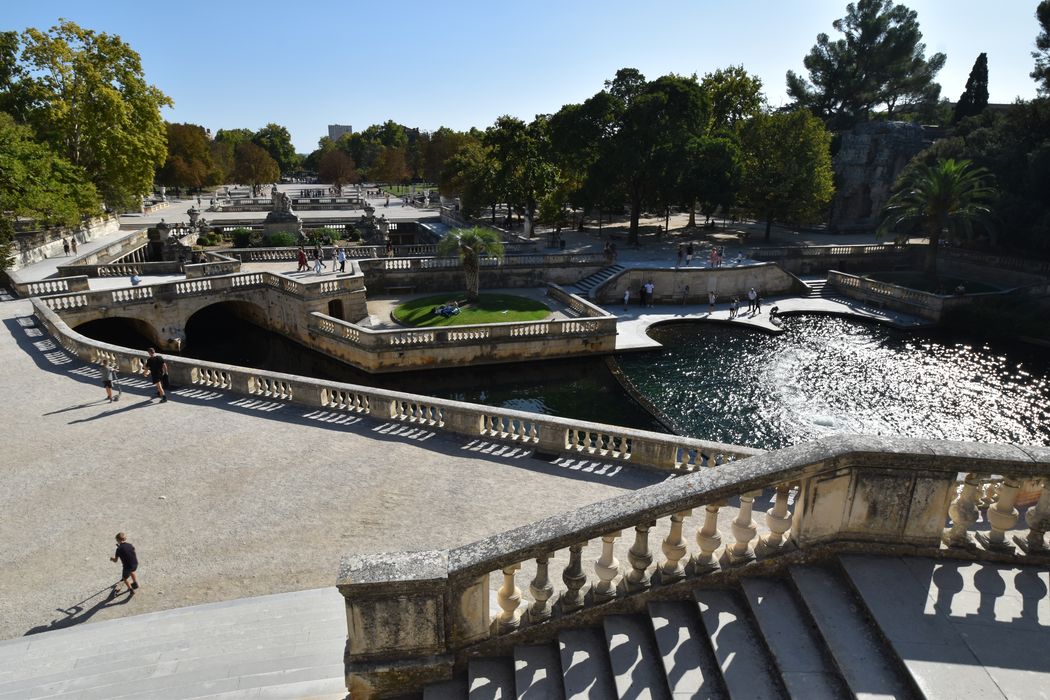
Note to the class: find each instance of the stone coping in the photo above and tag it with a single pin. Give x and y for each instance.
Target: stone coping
(903, 455)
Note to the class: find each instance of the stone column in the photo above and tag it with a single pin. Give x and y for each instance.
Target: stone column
(396, 621)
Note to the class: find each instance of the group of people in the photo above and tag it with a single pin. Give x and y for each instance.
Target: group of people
(685, 252)
(338, 257)
(70, 243)
(645, 295)
(610, 251)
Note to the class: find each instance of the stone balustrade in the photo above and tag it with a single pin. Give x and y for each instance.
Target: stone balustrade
(218, 264)
(578, 305)
(548, 434)
(913, 301)
(357, 252)
(53, 285)
(416, 617)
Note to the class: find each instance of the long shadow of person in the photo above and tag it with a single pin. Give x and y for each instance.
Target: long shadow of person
(77, 612)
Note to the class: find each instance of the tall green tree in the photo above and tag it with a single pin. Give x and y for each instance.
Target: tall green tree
(88, 99)
(336, 167)
(37, 183)
(787, 167)
(253, 166)
(975, 97)
(391, 166)
(470, 245)
(277, 141)
(1041, 73)
(524, 172)
(470, 174)
(880, 62)
(735, 95)
(189, 162)
(945, 199)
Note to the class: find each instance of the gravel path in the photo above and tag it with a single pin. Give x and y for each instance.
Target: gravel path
(224, 496)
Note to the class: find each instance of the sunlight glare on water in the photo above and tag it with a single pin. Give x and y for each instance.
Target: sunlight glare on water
(826, 376)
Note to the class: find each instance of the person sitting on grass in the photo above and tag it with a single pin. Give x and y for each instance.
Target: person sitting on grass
(448, 310)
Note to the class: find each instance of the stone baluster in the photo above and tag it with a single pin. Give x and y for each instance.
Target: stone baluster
(640, 558)
(509, 598)
(542, 590)
(778, 520)
(1001, 516)
(989, 494)
(744, 530)
(574, 579)
(709, 540)
(964, 513)
(1038, 519)
(607, 568)
(674, 548)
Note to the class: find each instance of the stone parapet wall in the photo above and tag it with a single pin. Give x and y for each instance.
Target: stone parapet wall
(805, 260)
(440, 274)
(33, 246)
(670, 284)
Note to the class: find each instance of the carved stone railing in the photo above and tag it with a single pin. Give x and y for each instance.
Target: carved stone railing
(416, 617)
(508, 261)
(547, 434)
(53, 285)
(913, 301)
(579, 306)
(218, 264)
(776, 253)
(357, 252)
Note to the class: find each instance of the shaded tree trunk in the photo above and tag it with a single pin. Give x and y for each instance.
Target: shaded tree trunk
(470, 271)
(692, 216)
(769, 228)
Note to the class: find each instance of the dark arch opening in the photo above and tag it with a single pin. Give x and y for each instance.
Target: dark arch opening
(232, 332)
(120, 330)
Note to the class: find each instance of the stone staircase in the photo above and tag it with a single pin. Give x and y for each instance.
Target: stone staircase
(855, 626)
(587, 285)
(819, 289)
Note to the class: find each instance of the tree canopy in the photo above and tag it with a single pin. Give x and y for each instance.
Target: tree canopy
(879, 62)
(37, 183)
(85, 95)
(190, 162)
(787, 167)
(735, 95)
(1041, 73)
(471, 244)
(275, 140)
(975, 97)
(253, 166)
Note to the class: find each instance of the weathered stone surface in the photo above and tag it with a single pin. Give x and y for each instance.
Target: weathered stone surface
(870, 158)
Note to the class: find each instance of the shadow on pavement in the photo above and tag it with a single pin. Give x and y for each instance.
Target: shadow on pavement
(78, 613)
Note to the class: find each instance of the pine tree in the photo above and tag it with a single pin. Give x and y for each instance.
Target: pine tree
(975, 98)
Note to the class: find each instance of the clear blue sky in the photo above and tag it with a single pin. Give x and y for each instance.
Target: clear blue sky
(460, 64)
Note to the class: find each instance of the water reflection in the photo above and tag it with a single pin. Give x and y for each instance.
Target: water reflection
(828, 375)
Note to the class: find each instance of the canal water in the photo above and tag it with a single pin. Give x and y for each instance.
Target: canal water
(822, 376)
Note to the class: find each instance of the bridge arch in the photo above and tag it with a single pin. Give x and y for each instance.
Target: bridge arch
(126, 331)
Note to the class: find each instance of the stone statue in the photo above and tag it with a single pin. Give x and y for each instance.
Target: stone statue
(280, 201)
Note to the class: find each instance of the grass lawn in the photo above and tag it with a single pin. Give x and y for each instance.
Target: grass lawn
(407, 189)
(490, 308)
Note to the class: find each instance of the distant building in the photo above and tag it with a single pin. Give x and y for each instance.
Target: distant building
(337, 130)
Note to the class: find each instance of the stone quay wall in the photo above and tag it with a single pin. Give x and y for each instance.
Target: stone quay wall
(31, 246)
(391, 275)
(670, 284)
(805, 260)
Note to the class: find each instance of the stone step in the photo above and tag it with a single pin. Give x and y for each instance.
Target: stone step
(490, 679)
(867, 665)
(537, 672)
(745, 663)
(937, 653)
(455, 689)
(586, 674)
(634, 658)
(805, 665)
(689, 663)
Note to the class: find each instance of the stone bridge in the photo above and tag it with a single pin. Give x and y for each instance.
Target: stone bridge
(160, 312)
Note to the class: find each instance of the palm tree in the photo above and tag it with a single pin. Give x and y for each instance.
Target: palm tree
(470, 244)
(945, 198)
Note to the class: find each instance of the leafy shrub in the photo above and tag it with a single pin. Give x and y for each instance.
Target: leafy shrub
(280, 239)
(212, 238)
(352, 234)
(245, 238)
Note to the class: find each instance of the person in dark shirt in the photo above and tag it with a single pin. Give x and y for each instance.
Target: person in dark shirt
(129, 563)
(157, 368)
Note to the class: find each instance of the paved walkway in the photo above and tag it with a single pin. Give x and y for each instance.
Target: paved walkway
(226, 496)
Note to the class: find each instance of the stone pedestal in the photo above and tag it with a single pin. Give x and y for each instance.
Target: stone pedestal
(283, 222)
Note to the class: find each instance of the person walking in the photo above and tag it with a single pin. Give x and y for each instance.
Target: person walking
(318, 263)
(109, 378)
(341, 259)
(689, 254)
(158, 373)
(65, 246)
(73, 244)
(650, 292)
(626, 298)
(129, 563)
(710, 302)
(752, 295)
(303, 265)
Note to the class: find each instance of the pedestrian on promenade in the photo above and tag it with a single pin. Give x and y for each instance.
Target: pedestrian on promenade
(752, 296)
(303, 265)
(626, 298)
(734, 305)
(318, 263)
(129, 563)
(681, 254)
(158, 373)
(73, 244)
(689, 254)
(109, 378)
(641, 295)
(65, 246)
(710, 302)
(650, 292)
(685, 294)
(341, 259)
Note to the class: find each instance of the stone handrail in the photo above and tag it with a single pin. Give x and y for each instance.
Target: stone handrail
(357, 252)
(766, 253)
(578, 304)
(218, 264)
(548, 434)
(53, 285)
(914, 297)
(508, 261)
(413, 617)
